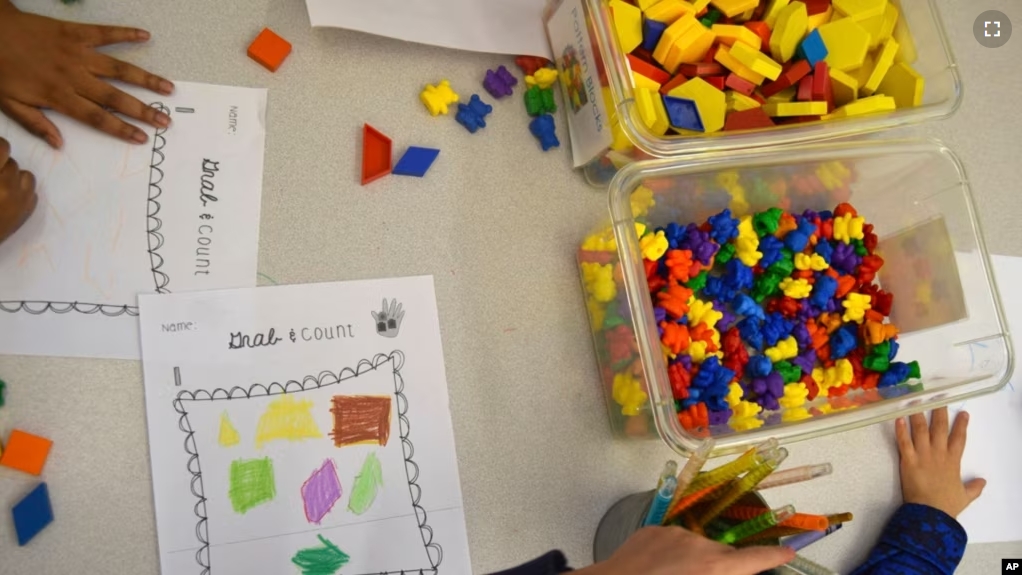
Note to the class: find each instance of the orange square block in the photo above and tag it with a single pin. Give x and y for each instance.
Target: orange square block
(26, 452)
(269, 49)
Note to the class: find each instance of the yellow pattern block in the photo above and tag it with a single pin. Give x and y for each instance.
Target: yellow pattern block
(287, 419)
(817, 20)
(881, 27)
(860, 9)
(755, 60)
(883, 64)
(725, 58)
(710, 101)
(628, 24)
(651, 109)
(773, 10)
(228, 435)
(903, 84)
(668, 11)
(690, 48)
(738, 102)
(847, 44)
(785, 109)
(903, 35)
(788, 32)
(785, 95)
(869, 105)
(640, 81)
(645, 4)
(732, 8)
(671, 35)
(844, 86)
(729, 34)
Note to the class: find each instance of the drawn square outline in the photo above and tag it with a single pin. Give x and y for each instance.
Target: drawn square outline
(153, 226)
(434, 552)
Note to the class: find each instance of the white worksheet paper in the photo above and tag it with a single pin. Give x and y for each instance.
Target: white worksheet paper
(502, 26)
(178, 213)
(344, 421)
(995, 429)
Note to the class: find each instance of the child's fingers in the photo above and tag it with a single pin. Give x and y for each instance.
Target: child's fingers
(757, 558)
(94, 35)
(905, 447)
(974, 488)
(5, 151)
(938, 428)
(956, 441)
(91, 114)
(920, 432)
(113, 99)
(107, 67)
(33, 120)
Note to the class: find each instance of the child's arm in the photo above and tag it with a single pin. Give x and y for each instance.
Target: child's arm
(17, 193)
(46, 63)
(923, 536)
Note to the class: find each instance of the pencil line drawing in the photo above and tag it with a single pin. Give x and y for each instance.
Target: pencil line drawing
(155, 240)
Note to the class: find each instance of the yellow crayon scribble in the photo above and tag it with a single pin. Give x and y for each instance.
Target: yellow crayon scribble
(288, 419)
(228, 435)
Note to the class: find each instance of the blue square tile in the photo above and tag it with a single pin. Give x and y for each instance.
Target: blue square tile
(32, 514)
(415, 162)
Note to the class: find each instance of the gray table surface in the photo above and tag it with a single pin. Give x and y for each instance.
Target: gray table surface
(496, 223)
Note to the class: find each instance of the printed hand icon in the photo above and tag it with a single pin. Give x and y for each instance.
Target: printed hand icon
(388, 321)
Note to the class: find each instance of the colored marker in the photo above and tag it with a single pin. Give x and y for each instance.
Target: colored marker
(688, 501)
(670, 468)
(739, 487)
(661, 500)
(804, 566)
(796, 475)
(839, 518)
(772, 534)
(692, 468)
(729, 471)
(803, 540)
(803, 521)
(756, 525)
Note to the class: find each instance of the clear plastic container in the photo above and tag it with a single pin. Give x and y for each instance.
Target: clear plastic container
(935, 62)
(916, 194)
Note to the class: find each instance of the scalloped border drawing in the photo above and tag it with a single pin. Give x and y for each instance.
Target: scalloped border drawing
(433, 550)
(153, 225)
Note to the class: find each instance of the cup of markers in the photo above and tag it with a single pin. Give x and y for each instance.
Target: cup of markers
(724, 504)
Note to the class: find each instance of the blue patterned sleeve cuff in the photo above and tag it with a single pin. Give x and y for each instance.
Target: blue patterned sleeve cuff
(918, 539)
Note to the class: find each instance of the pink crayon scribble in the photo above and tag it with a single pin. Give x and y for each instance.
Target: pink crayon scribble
(321, 491)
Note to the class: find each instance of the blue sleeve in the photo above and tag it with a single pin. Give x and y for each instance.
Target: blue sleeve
(552, 563)
(918, 540)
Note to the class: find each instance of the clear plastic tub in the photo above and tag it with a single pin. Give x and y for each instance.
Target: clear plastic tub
(916, 194)
(935, 62)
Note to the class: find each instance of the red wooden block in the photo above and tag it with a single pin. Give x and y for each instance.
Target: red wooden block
(762, 30)
(821, 81)
(816, 6)
(750, 119)
(648, 70)
(702, 69)
(758, 98)
(674, 83)
(644, 54)
(711, 54)
(739, 84)
(805, 89)
(715, 81)
(788, 78)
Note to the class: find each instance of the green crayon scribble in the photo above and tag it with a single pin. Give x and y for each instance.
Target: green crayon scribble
(252, 483)
(324, 560)
(367, 484)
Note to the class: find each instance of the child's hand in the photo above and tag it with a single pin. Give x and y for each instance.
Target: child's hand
(46, 63)
(17, 193)
(675, 551)
(931, 462)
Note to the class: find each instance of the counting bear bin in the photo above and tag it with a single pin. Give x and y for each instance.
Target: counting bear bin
(916, 194)
(919, 25)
